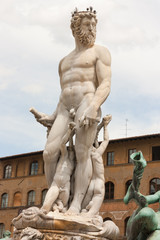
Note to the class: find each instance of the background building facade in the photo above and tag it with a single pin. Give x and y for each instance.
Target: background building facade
(23, 184)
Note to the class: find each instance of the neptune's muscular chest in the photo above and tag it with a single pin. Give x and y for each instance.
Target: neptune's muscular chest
(82, 59)
(79, 64)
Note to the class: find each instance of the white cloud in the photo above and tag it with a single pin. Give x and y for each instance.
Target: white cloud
(6, 74)
(35, 35)
(7, 71)
(33, 89)
(136, 125)
(3, 86)
(22, 133)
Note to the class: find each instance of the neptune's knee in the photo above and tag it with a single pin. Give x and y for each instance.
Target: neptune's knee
(50, 154)
(46, 155)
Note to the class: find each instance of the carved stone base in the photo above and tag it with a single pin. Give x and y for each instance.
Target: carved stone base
(41, 234)
(32, 223)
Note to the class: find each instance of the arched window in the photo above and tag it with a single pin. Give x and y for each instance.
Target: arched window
(125, 225)
(31, 198)
(154, 185)
(44, 192)
(34, 168)
(4, 200)
(17, 200)
(2, 229)
(8, 171)
(128, 183)
(109, 190)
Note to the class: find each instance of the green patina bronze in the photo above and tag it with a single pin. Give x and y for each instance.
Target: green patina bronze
(144, 224)
(6, 235)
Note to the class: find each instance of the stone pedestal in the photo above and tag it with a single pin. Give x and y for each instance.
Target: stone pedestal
(51, 235)
(34, 224)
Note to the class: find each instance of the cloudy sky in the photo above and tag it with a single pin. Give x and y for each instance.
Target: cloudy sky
(35, 35)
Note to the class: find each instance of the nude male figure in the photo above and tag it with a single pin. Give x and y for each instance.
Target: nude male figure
(59, 190)
(85, 76)
(95, 193)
